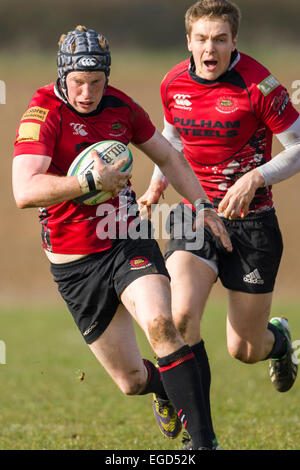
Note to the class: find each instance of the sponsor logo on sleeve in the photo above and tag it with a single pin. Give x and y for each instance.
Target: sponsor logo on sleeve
(36, 113)
(268, 85)
(280, 102)
(29, 132)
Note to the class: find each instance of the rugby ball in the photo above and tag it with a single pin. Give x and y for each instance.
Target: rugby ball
(110, 151)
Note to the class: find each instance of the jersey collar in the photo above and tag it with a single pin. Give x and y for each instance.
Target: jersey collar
(235, 57)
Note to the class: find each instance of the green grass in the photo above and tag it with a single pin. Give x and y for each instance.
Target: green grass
(44, 405)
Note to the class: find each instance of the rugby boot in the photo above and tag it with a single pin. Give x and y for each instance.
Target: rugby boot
(283, 371)
(166, 417)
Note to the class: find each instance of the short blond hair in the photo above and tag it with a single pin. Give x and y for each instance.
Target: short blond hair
(101, 39)
(222, 9)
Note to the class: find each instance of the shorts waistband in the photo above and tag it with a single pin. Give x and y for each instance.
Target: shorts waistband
(252, 217)
(78, 262)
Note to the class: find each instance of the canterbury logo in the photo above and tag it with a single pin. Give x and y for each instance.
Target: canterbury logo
(182, 100)
(78, 129)
(87, 62)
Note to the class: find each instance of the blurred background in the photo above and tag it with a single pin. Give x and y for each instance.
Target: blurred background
(44, 404)
(147, 38)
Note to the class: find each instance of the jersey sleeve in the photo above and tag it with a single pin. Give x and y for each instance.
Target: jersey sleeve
(163, 93)
(143, 128)
(273, 105)
(37, 131)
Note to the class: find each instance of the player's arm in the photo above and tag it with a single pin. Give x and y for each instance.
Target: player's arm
(159, 181)
(283, 166)
(174, 166)
(286, 163)
(33, 187)
(180, 174)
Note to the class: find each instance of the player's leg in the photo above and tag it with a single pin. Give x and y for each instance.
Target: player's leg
(117, 351)
(251, 337)
(248, 338)
(249, 274)
(148, 299)
(192, 265)
(87, 286)
(191, 282)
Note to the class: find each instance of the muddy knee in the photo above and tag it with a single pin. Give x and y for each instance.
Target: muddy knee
(162, 330)
(182, 323)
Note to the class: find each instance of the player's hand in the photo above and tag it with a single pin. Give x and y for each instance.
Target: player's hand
(210, 218)
(151, 196)
(113, 179)
(238, 198)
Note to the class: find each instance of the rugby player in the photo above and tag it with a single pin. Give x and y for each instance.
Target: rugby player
(107, 282)
(222, 108)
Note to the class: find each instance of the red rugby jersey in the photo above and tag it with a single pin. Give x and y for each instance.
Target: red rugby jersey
(226, 125)
(51, 127)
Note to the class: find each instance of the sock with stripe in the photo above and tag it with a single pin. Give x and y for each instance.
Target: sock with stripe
(182, 381)
(154, 383)
(204, 368)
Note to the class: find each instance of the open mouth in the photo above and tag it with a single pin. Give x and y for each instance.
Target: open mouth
(86, 103)
(211, 64)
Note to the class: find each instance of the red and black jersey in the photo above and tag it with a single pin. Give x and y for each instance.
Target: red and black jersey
(51, 127)
(226, 126)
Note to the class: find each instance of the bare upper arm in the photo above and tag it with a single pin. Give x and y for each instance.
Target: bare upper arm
(29, 164)
(157, 148)
(24, 168)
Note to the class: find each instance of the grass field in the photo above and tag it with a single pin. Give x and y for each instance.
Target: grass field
(45, 405)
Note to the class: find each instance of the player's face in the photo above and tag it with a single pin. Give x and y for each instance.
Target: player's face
(85, 90)
(211, 44)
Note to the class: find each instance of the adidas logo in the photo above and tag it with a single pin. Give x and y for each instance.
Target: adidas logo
(253, 278)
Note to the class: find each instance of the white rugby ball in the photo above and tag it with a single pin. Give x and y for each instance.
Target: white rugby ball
(110, 151)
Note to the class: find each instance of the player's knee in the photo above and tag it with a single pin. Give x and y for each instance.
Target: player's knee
(183, 323)
(162, 330)
(243, 352)
(133, 384)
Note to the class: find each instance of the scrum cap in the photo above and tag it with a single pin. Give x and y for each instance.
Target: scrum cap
(82, 50)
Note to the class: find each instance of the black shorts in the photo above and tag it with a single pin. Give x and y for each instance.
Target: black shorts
(92, 286)
(253, 264)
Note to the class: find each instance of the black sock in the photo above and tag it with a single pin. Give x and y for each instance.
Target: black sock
(203, 363)
(182, 381)
(279, 348)
(154, 382)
